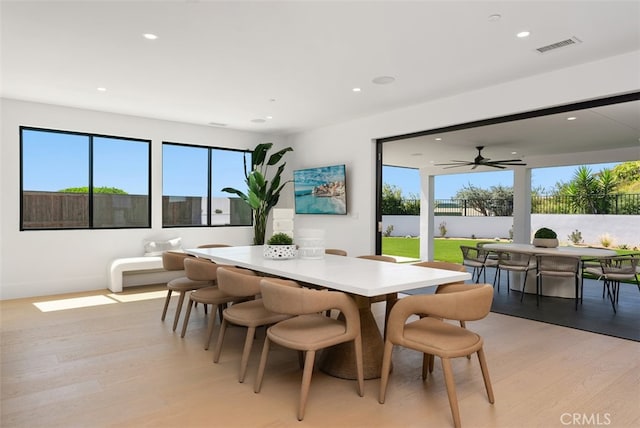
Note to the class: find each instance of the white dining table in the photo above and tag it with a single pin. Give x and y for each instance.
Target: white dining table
(557, 287)
(361, 278)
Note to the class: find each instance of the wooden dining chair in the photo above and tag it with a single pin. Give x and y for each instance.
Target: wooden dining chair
(173, 260)
(433, 336)
(210, 295)
(308, 331)
(244, 283)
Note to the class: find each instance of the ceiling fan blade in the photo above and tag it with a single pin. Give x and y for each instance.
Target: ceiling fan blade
(456, 166)
(507, 160)
(461, 163)
(508, 163)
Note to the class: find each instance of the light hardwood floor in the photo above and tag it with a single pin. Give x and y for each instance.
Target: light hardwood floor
(119, 365)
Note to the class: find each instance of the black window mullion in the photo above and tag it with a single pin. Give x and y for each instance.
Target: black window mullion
(90, 188)
(209, 192)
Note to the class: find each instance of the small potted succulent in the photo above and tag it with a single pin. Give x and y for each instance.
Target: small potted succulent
(280, 247)
(545, 237)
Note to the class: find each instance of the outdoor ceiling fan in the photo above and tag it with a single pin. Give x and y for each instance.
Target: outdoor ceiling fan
(482, 161)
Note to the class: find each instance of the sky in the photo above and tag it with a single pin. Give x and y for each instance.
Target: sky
(446, 186)
(56, 161)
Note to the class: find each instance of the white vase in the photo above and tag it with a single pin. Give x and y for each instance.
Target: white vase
(279, 252)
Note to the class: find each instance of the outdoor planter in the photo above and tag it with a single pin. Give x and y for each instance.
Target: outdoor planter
(545, 242)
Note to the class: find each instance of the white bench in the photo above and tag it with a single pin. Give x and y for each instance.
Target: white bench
(139, 271)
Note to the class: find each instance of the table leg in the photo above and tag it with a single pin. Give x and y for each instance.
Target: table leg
(339, 360)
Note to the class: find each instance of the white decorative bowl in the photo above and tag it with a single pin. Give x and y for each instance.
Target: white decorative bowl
(279, 252)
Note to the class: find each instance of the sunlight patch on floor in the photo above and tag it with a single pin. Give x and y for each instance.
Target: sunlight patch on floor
(135, 297)
(73, 303)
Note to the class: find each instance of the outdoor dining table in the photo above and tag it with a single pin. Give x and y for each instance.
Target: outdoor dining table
(361, 278)
(558, 287)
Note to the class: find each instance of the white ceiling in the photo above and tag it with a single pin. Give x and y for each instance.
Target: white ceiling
(295, 61)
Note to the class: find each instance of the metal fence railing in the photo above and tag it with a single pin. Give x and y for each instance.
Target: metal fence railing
(622, 204)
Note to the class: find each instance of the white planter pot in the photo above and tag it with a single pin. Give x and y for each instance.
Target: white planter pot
(545, 242)
(280, 252)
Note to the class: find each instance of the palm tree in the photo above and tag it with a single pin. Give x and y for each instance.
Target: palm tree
(591, 193)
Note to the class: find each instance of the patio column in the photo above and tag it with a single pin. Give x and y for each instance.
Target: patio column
(522, 205)
(427, 208)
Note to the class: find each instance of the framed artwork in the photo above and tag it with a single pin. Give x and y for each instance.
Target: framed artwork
(320, 190)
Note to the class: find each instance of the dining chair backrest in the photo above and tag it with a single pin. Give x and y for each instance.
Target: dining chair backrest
(450, 286)
(515, 259)
(278, 297)
(555, 265)
(335, 251)
(173, 260)
(473, 254)
(379, 258)
(620, 265)
(471, 304)
(238, 282)
(197, 269)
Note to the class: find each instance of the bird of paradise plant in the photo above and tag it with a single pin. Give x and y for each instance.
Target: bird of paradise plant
(262, 194)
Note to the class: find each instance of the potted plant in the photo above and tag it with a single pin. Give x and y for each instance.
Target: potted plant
(545, 237)
(280, 246)
(262, 194)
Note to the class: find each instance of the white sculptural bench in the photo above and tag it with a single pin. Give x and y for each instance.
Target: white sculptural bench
(138, 271)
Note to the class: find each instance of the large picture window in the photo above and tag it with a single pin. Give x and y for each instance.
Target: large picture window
(72, 180)
(192, 180)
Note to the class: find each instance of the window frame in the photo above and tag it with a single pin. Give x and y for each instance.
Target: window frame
(209, 195)
(90, 194)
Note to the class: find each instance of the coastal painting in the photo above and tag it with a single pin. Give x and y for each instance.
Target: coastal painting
(320, 190)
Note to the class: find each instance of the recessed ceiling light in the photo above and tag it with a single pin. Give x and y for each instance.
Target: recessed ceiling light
(101, 89)
(438, 139)
(258, 120)
(523, 34)
(384, 80)
(495, 17)
(572, 118)
(356, 89)
(514, 153)
(149, 36)
(269, 117)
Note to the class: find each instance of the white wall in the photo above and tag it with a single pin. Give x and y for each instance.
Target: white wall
(623, 229)
(49, 262)
(351, 142)
(76, 260)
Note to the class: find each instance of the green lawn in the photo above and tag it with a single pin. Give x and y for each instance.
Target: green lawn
(446, 250)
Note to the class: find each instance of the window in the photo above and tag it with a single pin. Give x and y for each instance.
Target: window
(72, 180)
(192, 181)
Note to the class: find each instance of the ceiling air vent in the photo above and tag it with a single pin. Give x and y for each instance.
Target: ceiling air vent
(558, 45)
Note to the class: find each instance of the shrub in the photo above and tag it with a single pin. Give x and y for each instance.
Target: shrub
(545, 233)
(280, 239)
(443, 229)
(606, 240)
(575, 237)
